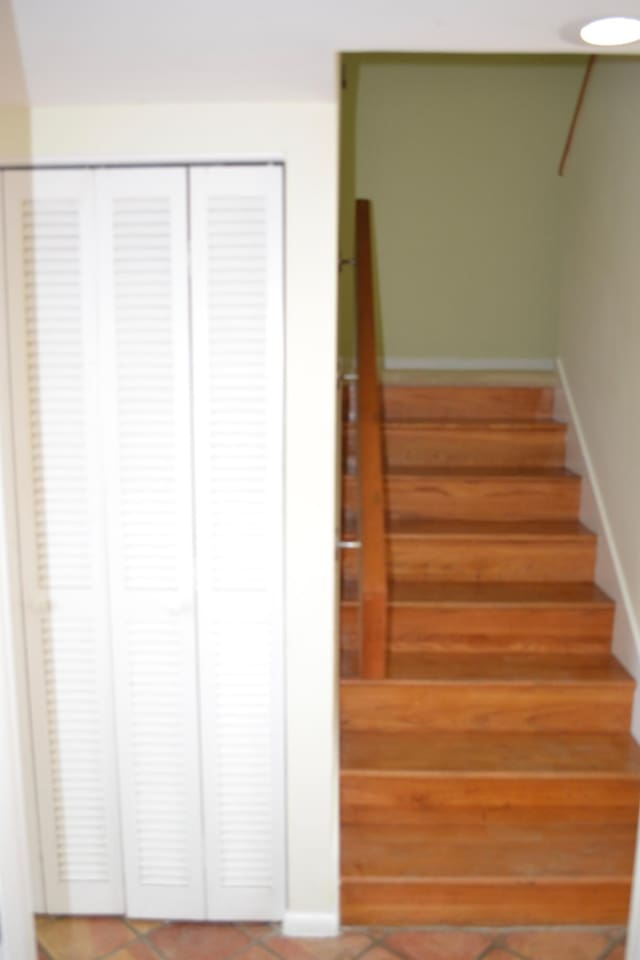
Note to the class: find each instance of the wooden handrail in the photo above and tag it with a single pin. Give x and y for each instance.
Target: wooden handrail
(576, 114)
(373, 572)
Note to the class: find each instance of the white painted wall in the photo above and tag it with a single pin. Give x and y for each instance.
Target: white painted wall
(599, 337)
(304, 136)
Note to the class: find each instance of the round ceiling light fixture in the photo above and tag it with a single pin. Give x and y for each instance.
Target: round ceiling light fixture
(611, 31)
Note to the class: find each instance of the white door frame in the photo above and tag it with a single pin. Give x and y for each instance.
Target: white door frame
(17, 934)
(17, 939)
(16, 910)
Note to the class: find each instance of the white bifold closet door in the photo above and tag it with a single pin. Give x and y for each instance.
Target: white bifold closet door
(52, 298)
(146, 323)
(237, 278)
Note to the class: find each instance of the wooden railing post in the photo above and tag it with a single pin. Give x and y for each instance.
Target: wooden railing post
(373, 572)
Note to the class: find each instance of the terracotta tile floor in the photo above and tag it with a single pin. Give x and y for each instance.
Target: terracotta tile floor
(82, 938)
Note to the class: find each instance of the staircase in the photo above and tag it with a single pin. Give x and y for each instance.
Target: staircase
(489, 777)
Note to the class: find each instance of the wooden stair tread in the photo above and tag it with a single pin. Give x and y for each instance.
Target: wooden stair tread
(489, 529)
(492, 850)
(536, 675)
(496, 668)
(419, 377)
(465, 426)
(479, 473)
(500, 671)
(528, 474)
(500, 753)
(490, 594)
(419, 527)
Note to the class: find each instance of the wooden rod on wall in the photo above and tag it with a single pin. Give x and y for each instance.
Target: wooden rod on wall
(576, 114)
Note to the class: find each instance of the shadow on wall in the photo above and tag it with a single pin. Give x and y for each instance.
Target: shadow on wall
(15, 133)
(17, 937)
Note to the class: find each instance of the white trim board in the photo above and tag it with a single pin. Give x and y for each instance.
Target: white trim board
(610, 573)
(310, 924)
(158, 159)
(469, 363)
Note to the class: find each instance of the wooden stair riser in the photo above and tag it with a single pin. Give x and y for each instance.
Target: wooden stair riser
(487, 850)
(396, 706)
(467, 403)
(566, 631)
(537, 446)
(432, 798)
(476, 498)
(486, 902)
(569, 559)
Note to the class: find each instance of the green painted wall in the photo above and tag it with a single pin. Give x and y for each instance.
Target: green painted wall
(347, 199)
(459, 155)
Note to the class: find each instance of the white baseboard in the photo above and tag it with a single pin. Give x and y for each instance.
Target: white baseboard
(610, 573)
(310, 924)
(469, 363)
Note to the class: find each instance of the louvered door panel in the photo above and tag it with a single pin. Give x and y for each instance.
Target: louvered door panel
(145, 328)
(53, 331)
(236, 218)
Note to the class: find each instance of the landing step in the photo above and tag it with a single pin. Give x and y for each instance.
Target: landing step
(491, 874)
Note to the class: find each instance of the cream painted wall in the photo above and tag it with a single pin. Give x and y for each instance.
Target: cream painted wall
(347, 189)
(599, 338)
(304, 136)
(459, 155)
(15, 134)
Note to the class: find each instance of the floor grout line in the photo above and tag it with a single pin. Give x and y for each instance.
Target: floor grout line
(615, 943)
(44, 951)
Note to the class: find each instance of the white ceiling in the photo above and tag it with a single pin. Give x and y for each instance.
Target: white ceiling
(132, 51)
